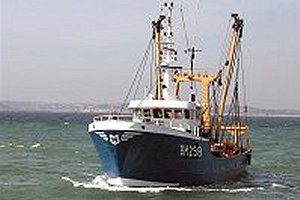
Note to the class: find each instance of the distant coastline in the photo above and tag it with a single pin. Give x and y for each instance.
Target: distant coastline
(14, 106)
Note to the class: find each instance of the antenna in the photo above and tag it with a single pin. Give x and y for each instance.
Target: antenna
(193, 51)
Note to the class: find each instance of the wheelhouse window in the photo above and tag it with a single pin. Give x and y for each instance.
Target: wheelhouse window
(138, 112)
(98, 118)
(192, 114)
(178, 114)
(168, 113)
(105, 117)
(187, 114)
(157, 113)
(147, 113)
(198, 114)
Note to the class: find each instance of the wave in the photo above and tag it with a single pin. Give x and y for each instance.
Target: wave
(35, 146)
(233, 190)
(277, 185)
(100, 183)
(11, 145)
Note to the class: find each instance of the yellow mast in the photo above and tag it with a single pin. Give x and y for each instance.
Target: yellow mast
(237, 29)
(207, 79)
(157, 35)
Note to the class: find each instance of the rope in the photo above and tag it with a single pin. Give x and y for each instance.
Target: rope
(197, 36)
(243, 80)
(184, 28)
(152, 64)
(141, 75)
(139, 68)
(146, 95)
(226, 44)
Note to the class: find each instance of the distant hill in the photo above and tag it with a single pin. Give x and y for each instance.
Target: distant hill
(273, 112)
(14, 106)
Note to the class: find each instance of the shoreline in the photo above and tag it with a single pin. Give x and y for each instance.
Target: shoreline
(107, 111)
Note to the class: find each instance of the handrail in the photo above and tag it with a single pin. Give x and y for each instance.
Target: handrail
(104, 117)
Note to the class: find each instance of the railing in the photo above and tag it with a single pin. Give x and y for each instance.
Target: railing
(123, 117)
(207, 70)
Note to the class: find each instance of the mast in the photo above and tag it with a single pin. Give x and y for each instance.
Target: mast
(165, 52)
(157, 27)
(193, 51)
(169, 52)
(205, 80)
(237, 33)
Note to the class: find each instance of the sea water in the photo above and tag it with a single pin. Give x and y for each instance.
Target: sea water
(50, 156)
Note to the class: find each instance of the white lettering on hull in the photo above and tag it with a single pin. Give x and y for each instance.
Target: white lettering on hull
(117, 138)
(190, 151)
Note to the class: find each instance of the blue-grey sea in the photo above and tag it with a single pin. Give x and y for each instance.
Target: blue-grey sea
(50, 156)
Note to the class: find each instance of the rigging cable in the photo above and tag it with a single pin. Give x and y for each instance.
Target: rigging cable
(223, 56)
(197, 37)
(152, 64)
(142, 72)
(146, 95)
(226, 44)
(187, 44)
(244, 87)
(136, 76)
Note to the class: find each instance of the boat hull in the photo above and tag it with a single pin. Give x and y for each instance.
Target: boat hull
(144, 158)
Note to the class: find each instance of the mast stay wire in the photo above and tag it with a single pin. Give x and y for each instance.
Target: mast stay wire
(245, 111)
(140, 67)
(223, 58)
(152, 64)
(197, 38)
(148, 51)
(243, 76)
(248, 64)
(187, 43)
(225, 44)
(239, 77)
(146, 95)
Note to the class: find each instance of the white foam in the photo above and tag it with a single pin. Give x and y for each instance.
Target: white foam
(35, 146)
(233, 190)
(66, 123)
(277, 185)
(13, 145)
(2, 146)
(100, 183)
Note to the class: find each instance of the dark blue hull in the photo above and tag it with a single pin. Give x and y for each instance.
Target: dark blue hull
(163, 158)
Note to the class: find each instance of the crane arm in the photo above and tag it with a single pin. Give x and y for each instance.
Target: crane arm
(237, 33)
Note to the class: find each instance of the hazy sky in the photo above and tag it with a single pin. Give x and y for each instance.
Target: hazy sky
(87, 51)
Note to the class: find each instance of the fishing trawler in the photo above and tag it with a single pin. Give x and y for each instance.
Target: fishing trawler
(170, 140)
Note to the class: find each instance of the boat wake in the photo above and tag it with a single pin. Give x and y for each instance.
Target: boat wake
(100, 183)
(11, 145)
(277, 185)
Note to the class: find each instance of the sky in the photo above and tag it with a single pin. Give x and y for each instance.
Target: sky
(87, 51)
